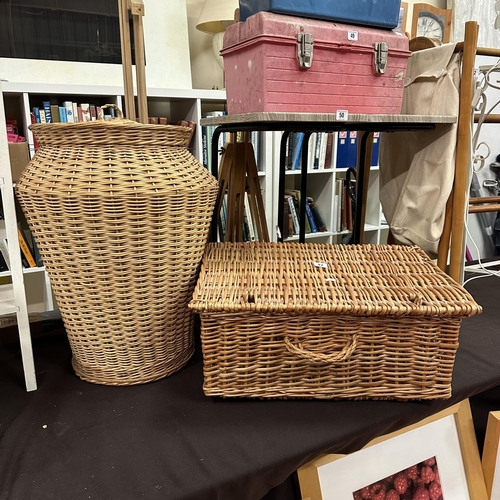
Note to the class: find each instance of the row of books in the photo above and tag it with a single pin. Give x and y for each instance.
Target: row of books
(321, 154)
(314, 222)
(248, 230)
(206, 137)
(320, 150)
(68, 112)
(347, 149)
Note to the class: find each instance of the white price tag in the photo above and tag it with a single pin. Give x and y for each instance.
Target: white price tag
(342, 114)
(324, 265)
(352, 36)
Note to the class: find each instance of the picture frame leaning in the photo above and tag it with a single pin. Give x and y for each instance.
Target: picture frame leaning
(490, 460)
(439, 454)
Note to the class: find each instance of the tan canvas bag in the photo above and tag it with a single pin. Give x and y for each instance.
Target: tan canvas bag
(417, 168)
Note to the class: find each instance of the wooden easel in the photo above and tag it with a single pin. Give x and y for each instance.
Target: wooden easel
(136, 8)
(452, 238)
(238, 174)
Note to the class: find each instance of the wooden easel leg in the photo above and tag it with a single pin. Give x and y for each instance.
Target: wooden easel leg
(254, 194)
(128, 85)
(137, 8)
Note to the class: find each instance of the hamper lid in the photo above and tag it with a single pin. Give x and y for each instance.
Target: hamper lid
(117, 131)
(362, 280)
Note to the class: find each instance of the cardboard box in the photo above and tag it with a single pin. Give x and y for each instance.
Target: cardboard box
(19, 158)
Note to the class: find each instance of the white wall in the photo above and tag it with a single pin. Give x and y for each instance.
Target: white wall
(207, 74)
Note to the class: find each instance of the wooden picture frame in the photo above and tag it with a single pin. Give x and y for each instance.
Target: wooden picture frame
(490, 461)
(404, 20)
(444, 443)
(441, 19)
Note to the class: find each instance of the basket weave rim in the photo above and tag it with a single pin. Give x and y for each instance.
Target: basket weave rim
(111, 123)
(288, 286)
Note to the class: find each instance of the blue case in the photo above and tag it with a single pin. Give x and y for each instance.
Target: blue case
(376, 13)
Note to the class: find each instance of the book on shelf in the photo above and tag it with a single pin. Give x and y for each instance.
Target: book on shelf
(329, 150)
(297, 140)
(296, 195)
(54, 111)
(223, 218)
(41, 114)
(85, 107)
(343, 212)
(69, 111)
(204, 147)
(28, 258)
(291, 201)
(322, 151)
(352, 153)
(36, 145)
(288, 228)
(255, 139)
(310, 218)
(208, 132)
(316, 136)
(342, 149)
(48, 111)
(375, 149)
(320, 225)
(4, 251)
(36, 114)
(338, 204)
(62, 115)
(288, 153)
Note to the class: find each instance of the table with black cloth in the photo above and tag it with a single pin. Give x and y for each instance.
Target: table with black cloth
(75, 440)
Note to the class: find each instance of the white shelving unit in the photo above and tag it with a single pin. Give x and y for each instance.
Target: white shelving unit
(320, 186)
(13, 295)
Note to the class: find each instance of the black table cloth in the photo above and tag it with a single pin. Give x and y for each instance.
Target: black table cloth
(73, 439)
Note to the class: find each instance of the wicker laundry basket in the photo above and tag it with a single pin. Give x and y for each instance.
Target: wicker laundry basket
(327, 321)
(121, 213)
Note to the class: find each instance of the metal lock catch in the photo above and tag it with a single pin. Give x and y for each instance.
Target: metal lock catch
(380, 57)
(305, 49)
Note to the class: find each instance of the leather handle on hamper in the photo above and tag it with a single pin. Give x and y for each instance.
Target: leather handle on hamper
(317, 357)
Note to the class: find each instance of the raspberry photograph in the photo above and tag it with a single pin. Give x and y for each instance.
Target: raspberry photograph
(418, 482)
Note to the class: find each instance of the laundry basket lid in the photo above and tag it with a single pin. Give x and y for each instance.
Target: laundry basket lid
(360, 280)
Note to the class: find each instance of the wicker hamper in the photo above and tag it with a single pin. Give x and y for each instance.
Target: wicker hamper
(120, 212)
(327, 321)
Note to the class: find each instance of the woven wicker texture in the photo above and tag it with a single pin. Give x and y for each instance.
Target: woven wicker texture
(327, 321)
(120, 212)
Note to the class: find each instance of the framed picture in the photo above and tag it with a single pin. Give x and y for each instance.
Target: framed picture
(431, 22)
(491, 462)
(435, 459)
(403, 16)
